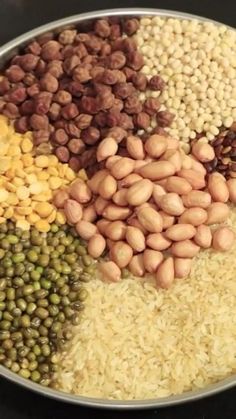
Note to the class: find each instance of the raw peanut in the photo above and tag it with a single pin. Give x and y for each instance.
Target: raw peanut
(172, 143)
(89, 214)
(110, 243)
(107, 187)
(136, 266)
(100, 204)
(157, 193)
(95, 180)
(165, 273)
(179, 232)
(223, 239)
(129, 180)
(145, 205)
(155, 145)
(80, 191)
(116, 230)
(135, 149)
(217, 212)
(231, 183)
(150, 220)
(218, 188)
(157, 170)
(197, 199)
(196, 165)
(106, 148)
(182, 267)
(111, 161)
(203, 236)
(122, 168)
(119, 198)
(167, 220)
(121, 253)
(195, 216)
(172, 204)
(196, 179)
(96, 245)
(85, 229)
(102, 224)
(110, 271)
(140, 192)
(60, 198)
(161, 182)
(135, 238)
(186, 162)
(158, 241)
(138, 164)
(178, 185)
(151, 260)
(203, 152)
(73, 211)
(184, 249)
(174, 157)
(133, 221)
(113, 213)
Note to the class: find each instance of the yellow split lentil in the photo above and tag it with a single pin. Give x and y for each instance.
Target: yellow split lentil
(28, 182)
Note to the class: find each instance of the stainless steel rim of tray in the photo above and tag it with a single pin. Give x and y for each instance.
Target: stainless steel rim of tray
(6, 52)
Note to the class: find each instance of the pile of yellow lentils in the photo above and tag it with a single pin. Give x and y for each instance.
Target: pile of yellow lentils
(28, 181)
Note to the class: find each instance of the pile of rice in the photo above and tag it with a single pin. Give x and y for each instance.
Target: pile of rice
(138, 342)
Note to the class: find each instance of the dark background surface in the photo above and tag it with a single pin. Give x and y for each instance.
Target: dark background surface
(16, 17)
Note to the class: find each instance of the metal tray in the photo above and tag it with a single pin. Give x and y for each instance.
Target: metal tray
(6, 52)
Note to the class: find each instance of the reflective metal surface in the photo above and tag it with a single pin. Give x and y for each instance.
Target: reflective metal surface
(6, 52)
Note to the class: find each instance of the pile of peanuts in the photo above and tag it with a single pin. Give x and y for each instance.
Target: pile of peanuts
(73, 89)
(28, 181)
(152, 210)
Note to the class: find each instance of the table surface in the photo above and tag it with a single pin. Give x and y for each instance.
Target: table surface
(16, 17)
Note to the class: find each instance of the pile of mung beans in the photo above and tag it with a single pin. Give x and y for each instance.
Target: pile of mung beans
(105, 155)
(41, 278)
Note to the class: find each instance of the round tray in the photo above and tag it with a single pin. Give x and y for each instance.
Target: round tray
(6, 52)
